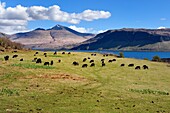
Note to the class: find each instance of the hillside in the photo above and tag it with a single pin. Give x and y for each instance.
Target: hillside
(130, 40)
(27, 86)
(54, 38)
(6, 44)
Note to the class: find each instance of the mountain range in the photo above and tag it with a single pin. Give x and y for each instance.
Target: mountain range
(129, 39)
(126, 39)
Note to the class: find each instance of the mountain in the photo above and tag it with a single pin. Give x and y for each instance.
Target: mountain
(128, 39)
(56, 37)
(2, 35)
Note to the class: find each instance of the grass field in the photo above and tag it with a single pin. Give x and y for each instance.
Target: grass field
(63, 88)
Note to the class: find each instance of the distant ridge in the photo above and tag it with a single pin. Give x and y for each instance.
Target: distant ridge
(129, 39)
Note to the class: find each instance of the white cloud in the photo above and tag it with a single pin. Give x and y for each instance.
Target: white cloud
(163, 19)
(19, 16)
(161, 27)
(86, 30)
(81, 29)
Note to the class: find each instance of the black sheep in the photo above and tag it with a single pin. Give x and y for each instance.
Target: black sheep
(84, 59)
(75, 63)
(114, 60)
(103, 64)
(6, 58)
(55, 53)
(110, 61)
(130, 65)
(91, 61)
(46, 63)
(39, 60)
(59, 61)
(84, 65)
(15, 56)
(34, 60)
(122, 65)
(137, 67)
(21, 59)
(102, 59)
(145, 67)
(51, 63)
(93, 64)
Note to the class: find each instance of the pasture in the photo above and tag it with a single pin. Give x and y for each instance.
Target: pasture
(27, 86)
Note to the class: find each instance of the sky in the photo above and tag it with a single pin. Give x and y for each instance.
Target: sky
(92, 16)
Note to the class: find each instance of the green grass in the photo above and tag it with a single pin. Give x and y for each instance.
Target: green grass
(9, 92)
(30, 87)
(33, 66)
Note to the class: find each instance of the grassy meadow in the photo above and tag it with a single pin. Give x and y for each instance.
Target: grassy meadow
(63, 88)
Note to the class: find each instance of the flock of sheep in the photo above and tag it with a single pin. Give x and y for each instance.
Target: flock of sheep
(75, 63)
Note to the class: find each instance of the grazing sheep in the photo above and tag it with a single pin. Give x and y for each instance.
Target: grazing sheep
(114, 60)
(34, 60)
(59, 61)
(130, 65)
(145, 67)
(137, 67)
(102, 59)
(92, 54)
(15, 56)
(36, 52)
(51, 63)
(55, 53)
(93, 64)
(75, 63)
(110, 61)
(69, 53)
(122, 65)
(6, 58)
(91, 61)
(84, 59)
(46, 63)
(84, 65)
(63, 52)
(39, 60)
(21, 59)
(88, 57)
(45, 53)
(105, 55)
(103, 64)
(14, 51)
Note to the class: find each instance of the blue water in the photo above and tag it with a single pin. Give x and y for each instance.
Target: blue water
(133, 54)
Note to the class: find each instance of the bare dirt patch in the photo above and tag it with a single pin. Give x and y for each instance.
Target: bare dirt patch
(59, 76)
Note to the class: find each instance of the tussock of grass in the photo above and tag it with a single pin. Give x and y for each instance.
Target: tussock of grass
(9, 92)
(149, 91)
(33, 66)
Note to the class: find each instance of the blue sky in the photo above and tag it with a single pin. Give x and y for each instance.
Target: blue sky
(115, 14)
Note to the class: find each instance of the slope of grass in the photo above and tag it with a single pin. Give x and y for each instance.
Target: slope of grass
(30, 87)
